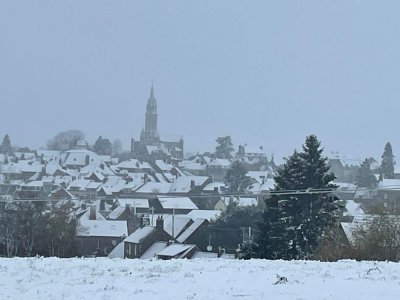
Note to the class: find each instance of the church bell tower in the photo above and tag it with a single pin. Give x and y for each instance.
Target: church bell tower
(149, 135)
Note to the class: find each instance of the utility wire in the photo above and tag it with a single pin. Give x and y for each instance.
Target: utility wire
(145, 196)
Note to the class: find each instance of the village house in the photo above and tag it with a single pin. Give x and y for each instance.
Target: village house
(96, 236)
(137, 243)
(218, 168)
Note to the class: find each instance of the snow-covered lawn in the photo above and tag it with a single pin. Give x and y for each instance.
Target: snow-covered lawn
(101, 278)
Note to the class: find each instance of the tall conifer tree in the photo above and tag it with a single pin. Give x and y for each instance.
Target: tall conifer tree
(387, 166)
(293, 224)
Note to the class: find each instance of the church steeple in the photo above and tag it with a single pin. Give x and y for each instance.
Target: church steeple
(150, 133)
(152, 92)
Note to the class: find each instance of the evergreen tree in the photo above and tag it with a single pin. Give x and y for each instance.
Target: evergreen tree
(224, 148)
(293, 225)
(102, 146)
(365, 176)
(6, 147)
(387, 166)
(236, 177)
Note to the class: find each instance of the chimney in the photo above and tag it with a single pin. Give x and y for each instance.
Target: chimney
(132, 220)
(92, 212)
(262, 179)
(128, 207)
(87, 159)
(160, 223)
(132, 145)
(192, 184)
(102, 205)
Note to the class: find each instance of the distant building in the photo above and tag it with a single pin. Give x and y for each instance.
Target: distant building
(151, 146)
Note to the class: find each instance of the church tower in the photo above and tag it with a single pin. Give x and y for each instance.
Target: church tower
(149, 135)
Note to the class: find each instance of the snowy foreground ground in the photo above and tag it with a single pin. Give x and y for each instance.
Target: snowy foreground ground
(52, 278)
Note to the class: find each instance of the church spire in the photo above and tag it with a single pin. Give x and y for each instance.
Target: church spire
(152, 92)
(150, 134)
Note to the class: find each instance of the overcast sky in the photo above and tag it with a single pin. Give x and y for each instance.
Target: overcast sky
(265, 72)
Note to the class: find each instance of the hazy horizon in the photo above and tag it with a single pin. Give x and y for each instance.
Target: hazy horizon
(266, 73)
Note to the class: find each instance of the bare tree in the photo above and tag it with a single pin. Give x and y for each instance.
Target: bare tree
(65, 140)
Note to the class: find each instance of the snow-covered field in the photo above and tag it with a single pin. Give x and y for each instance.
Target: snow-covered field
(101, 278)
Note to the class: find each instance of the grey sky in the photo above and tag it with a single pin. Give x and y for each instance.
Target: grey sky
(265, 72)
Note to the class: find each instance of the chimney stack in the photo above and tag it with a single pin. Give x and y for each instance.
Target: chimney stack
(92, 212)
(160, 223)
(102, 205)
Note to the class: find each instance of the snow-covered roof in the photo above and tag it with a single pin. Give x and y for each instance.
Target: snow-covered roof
(353, 208)
(93, 185)
(180, 223)
(118, 251)
(155, 187)
(151, 149)
(81, 157)
(209, 215)
(64, 192)
(258, 188)
(160, 177)
(258, 175)
(177, 203)
(36, 184)
(254, 150)
(103, 229)
(220, 162)
(49, 154)
(183, 184)
(59, 180)
(139, 234)
(116, 212)
(79, 184)
(138, 203)
(115, 184)
(107, 207)
(22, 166)
(241, 201)
(351, 162)
(153, 250)
(25, 155)
(174, 250)
(190, 165)
(190, 230)
(389, 184)
(163, 166)
(133, 164)
(345, 186)
(210, 187)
